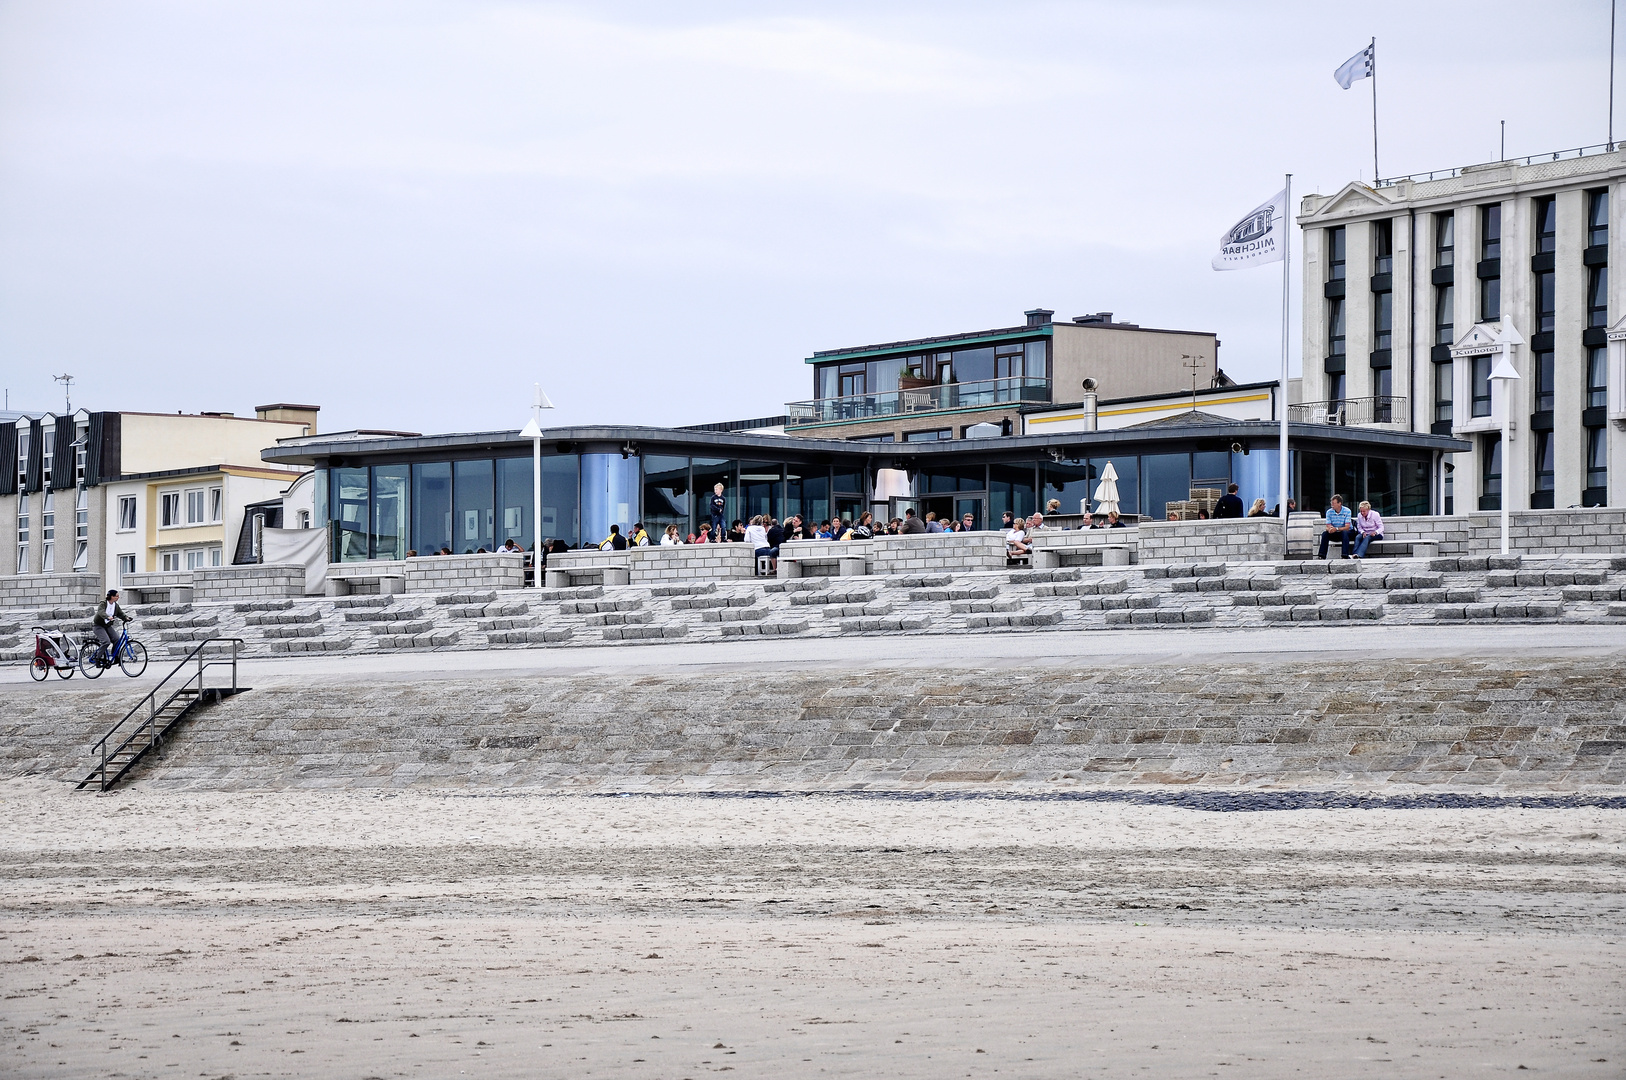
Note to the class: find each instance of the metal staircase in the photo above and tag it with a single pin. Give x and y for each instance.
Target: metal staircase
(145, 726)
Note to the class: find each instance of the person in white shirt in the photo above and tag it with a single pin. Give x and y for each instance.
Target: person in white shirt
(756, 535)
(671, 538)
(1016, 541)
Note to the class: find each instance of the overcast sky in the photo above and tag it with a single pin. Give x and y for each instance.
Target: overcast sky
(407, 212)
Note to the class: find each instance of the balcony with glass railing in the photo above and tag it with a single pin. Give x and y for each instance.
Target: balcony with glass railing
(925, 399)
(1350, 412)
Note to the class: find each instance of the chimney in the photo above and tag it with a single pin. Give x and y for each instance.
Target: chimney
(1100, 318)
(290, 414)
(1039, 316)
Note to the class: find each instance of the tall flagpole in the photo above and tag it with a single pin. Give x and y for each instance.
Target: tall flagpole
(1375, 174)
(1287, 262)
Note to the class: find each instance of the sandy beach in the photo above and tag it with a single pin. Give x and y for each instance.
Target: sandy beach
(151, 933)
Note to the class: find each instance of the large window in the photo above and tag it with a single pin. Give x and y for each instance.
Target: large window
(1383, 251)
(48, 532)
(1444, 388)
(933, 435)
(708, 473)
(1444, 313)
(1167, 478)
(1480, 385)
(1542, 362)
(1544, 460)
(127, 513)
(431, 506)
(390, 511)
(197, 509)
(561, 499)
(1335, 328)
(1071, 484)
(350, 506)
(807, 492)
(1490, 254)
(514, 498)
(760, 488)
(1445, 239)
(1597, 378)
(1546, 301)
(1335, 254)
(126, 567)
(1597, 297)
(1546, 222)
(22, 532)
(1383, 320)
(667, 499)
(1010, 487)
(169, 509)
(472, 506)
(609, 495)
(1490, 483)
(1597, 465)
(1597, 217)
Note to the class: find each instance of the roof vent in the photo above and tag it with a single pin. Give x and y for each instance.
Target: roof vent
(1100, 318)
(1039, 316)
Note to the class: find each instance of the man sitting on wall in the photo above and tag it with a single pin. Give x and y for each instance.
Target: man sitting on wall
(1229, 505)
(1338, 526)
(911, 524)
(615, 541)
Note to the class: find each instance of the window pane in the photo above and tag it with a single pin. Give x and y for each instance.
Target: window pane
(472, 524)
(1490, 299)
(708, 473)
(1481, 386)
(1597, 378)
(760, 493)
(1215, 465)
(350, 512)
(1544, 461)
(1413, 487)
(432, 507)
(848, 482)
(1128, 469)
(1349, 478)
(1073, 485)
(609, 495)
(1010, 487)
(973, 365)
(1168, 479)
(1382, 485)
(1036, 364)
(1315, 481)
(807, 492)
(516, 515)
(389, 519)
(561, 498)
(1444, 313)
(945, 480)
(1255, 476)
(666, 495)
(1544, 380)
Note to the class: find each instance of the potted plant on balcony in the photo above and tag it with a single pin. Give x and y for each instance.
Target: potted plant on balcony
(910, 378)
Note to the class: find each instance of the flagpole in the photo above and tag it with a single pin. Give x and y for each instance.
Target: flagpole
(1374, 47)
(1287, 262)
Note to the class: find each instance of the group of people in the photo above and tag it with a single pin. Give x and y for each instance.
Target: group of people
(1019, 531)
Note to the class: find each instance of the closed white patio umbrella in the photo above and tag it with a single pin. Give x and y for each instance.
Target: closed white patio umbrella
(1106, 492)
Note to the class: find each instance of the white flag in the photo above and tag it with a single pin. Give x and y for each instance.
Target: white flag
(1356, 67)
(1258, 238)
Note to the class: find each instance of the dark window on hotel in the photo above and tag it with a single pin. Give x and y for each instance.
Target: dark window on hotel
(945, 481)
(1544, 460)
(1383, 261)
(1383, 320)
(1597, 218)
(1597, 378)
(1336, 385)
(1445, 239)
(1444, 387)
(761, 487)
(1335, 328)
(807, 491)
(1335, 254)
(1383, 385)
(1597, 297)
(1597, 459)
(1546, 225)
(850, 380)
(1480, 386)
(1490, 485)
(935, 435)
(889, 437)
(1546, 303)
(1010, 487)
(1444, 309)
(1490, 247)
(1543, 363)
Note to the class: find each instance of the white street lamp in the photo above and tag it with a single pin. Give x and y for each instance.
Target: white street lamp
(1504, 374)
(533, 431)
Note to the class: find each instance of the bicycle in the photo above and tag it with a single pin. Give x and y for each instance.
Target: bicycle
(130, 656)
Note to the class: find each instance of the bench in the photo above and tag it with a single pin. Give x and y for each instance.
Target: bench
(1399, 549)
(589, 573)
(1055, 558)
(345, 584)
(1053, 549)
(791, 565)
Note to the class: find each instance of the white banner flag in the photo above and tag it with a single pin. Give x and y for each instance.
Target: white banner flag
(1258, 238)
(1356, 67)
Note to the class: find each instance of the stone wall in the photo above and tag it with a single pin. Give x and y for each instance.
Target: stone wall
(155, 586)
(937, 552)
(1451, 532)
(1232, 540)
(50, 590)
(440, 573)
(259, 582)
(1541, 725)
(1598, 530)
(694, 562)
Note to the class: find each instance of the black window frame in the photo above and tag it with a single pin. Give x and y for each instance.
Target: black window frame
(1445, 239)
(1597, 297)
(1597, 217)
(1445, 379)
(1544, 218)
(1337, 250)
(1597, 377)
(1479, 376)
(1337, 330)
(1383, 250)
(1445, 303)
(1542, 366)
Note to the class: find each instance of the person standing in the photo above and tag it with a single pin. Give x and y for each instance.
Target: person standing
(718, 505)
(1229, 505)
(1338, 527)
(1368, 527)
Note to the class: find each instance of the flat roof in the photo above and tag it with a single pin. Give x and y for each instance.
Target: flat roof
(983, 337)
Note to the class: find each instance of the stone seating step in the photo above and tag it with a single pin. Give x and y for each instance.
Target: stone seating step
(1420, 596)
(1083, 588)
(983, 607)
(1026, 618)
(1525, 579)
(764, 629)
(1532, 609)
(507, 623)
(260, 605)
(1143, 602)
(311, 645)
(1273, 599)
(1584, 592)
(881, 624)
(384, 616)
(796, 585)
(1225, 584)
(695, 589)
(1617, 611)
(833, 597)
(344, 603)
(433, 640)
(295, 630)
(173, 622)
(645, 633)
(704, 603)
(573, 592)
(1191, 615)
(196, 633)
(1028, 577)
(284, 617)
(921, 581)
(463, 599)
(404, 627)
(734, 615)
(1323, 612)
(968, 592)
(1185, 570)
(1380, 581)
(594, 607)
(621, 618)
(550, 636)
(853, 611)
(1318, 568)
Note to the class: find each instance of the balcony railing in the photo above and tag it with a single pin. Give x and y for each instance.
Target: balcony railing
(1350, 411)
(966, 395)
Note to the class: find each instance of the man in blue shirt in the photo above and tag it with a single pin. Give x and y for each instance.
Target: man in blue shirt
(1338, 525)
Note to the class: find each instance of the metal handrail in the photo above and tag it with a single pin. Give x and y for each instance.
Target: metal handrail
(1532, 159)
(922, 399)
(1380, 409)
(152, 695)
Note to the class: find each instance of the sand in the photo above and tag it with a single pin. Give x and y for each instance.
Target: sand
(149, 933)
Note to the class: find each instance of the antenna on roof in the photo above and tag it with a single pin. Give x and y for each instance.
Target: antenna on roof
(1195, 364)
(67, 387)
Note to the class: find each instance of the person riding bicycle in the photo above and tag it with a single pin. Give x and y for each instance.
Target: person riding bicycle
(106, 613)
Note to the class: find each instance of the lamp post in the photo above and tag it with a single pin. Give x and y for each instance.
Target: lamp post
(533, 431)
(1504, 374)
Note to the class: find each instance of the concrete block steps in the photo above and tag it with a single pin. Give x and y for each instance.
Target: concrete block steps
(1387, 581)
(1583, 592)
(705, 603)
(1120, 603)
(982, 607)
(171, 622)
(347, 603)
(884, 623)
(1225, 584)
(854, 611)
(550, 636)
(698, 589)
(1323, 613)
(488, 625)
(593, 607)
(1525, 579)
(921, 581)
(488, 611)
(1617, 611)
(621, 618)
(435, 640)
(644, 633)
(1535, 609)
(253, 605)
(463, 599)
(1029, 618)
(1083, 588)
(734, 615)
(764, 629)
(399, 615)
(1272, 599)
(796, 585)
(1034, 577)
(833, 597)
(406, 627)
(972, 592)
(1160, 618)
(297, 630)
(1180, 570)
(311, 645)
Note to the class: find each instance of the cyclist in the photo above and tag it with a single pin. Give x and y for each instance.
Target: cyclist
(106, 613)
